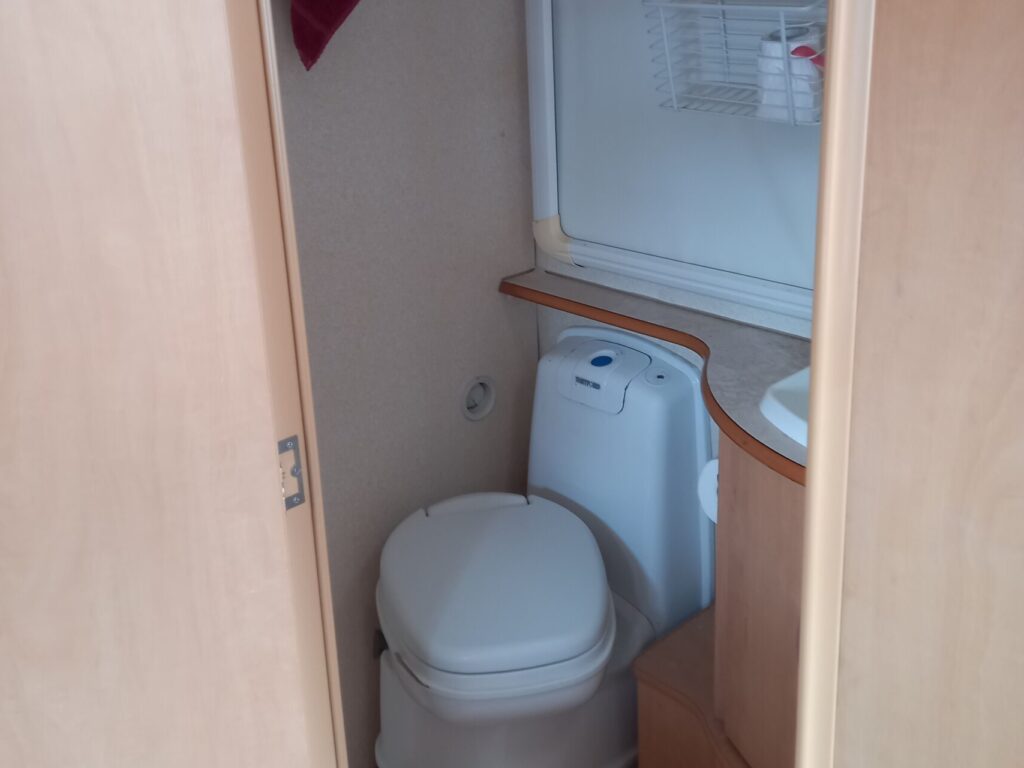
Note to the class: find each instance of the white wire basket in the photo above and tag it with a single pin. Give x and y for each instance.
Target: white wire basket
(747, 59)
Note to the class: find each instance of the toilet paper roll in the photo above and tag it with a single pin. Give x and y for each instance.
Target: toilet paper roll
(803, 80)
(770, 57)
(707, 490)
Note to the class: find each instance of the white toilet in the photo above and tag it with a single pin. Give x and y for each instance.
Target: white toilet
(511, 621)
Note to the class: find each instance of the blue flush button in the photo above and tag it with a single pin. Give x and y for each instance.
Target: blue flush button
(601, 361)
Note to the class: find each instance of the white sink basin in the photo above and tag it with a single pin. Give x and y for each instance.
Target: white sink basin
(785, 405)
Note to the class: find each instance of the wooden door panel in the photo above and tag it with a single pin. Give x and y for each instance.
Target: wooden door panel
(912, 653)
(147, 577)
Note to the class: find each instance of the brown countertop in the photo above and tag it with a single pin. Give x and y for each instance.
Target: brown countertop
(741, 361)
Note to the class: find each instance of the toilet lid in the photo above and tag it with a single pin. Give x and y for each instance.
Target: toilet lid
(493, 583)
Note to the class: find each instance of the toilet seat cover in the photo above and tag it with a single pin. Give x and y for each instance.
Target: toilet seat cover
(493, 583)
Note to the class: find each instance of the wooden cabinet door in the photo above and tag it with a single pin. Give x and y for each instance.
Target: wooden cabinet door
(158, 604)
(759, 550)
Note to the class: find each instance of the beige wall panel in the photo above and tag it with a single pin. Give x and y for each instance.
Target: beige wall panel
(931, 661)
(409, 158)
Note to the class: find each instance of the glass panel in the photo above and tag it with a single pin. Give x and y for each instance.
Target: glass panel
(720, 191)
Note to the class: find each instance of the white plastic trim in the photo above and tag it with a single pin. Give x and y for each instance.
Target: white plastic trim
(540, 58)
(754, 292)
(552, 240)
(747, 7)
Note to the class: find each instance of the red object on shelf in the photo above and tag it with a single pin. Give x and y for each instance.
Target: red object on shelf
(314, 22)
(806, 52)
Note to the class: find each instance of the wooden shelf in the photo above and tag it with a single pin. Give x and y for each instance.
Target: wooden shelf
(678, 728)
(741, 361)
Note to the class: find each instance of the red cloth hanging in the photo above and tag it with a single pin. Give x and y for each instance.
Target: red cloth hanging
(314, 22)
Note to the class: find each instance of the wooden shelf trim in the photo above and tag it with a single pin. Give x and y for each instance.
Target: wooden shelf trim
(763, 453)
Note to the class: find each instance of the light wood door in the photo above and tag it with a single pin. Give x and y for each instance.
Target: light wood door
(915, 568)
(158, 605)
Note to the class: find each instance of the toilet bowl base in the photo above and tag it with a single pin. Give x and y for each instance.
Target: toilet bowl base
(599, 733)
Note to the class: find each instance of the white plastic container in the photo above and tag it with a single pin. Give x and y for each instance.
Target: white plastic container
(790, 84)
(630, 475)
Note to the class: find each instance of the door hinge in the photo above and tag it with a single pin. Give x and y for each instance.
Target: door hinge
(293, 496)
